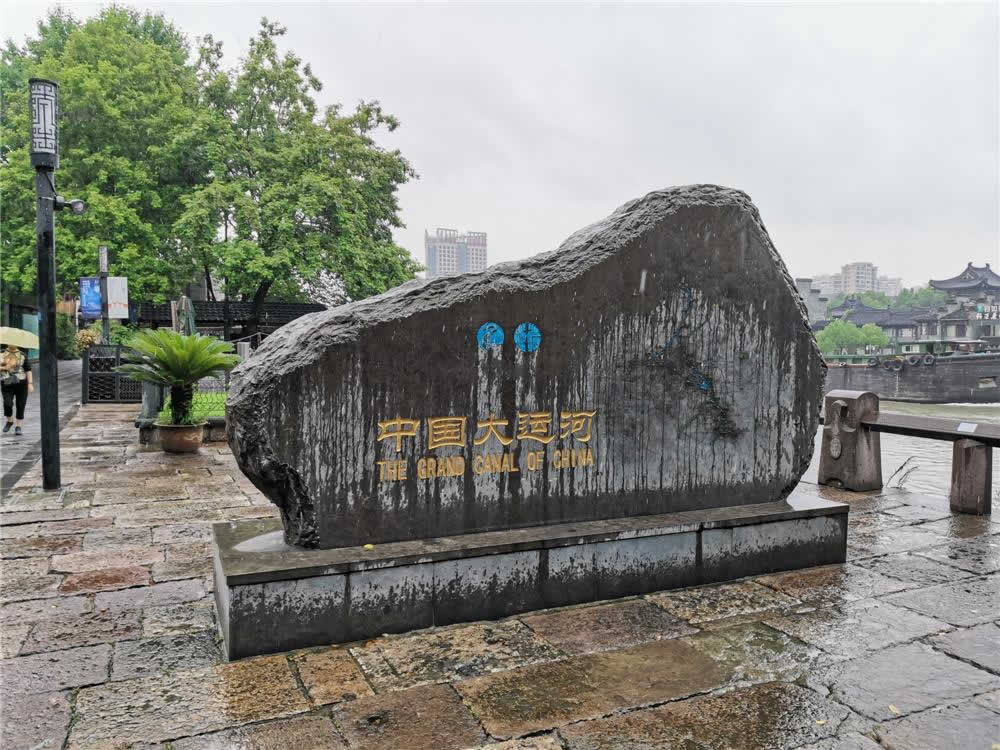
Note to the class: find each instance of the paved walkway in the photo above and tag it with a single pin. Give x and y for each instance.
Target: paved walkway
(17, 453)
(109, 637)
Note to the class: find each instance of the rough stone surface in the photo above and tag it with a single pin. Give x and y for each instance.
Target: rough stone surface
(331, 675)
(720, 602)
(526, 700)
(914, 569)
(34, 720)
(980, 555)
(857, 627)
(43, 609)
(11, 639)
(43, 673)
(102, 626)
(106, 579)
(898, 681)
(755, 652)
(771, 715)
(644, 320)
(967, 602)
(151, 656)
(832, 584)
(448, 654)
(184, 703)
(178, 618)
(581, 630)
(431, 717)
(159, 594)
(979, 645)
(964, 726)
(299, 733)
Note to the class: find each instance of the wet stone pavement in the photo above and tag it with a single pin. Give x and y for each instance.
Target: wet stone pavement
(109, 637)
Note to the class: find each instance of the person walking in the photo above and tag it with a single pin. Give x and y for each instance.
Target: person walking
(16, 384)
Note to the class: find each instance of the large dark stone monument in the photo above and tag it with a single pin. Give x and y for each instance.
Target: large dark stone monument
(627, 413)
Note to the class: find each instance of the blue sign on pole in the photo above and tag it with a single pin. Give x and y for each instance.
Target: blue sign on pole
(90, 297)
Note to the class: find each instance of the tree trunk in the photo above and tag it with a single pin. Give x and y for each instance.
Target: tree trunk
(181, 398)
(209, 289)
(257, 306)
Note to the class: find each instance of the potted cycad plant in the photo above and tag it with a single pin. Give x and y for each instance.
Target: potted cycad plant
(178, 362)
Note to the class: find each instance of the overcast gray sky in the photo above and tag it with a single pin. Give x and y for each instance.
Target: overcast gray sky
(862, 131)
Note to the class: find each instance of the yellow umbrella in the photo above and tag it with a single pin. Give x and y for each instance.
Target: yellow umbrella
(18, 337)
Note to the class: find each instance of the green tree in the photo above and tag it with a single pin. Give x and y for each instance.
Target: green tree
(924, 297)
(129, 145)
(839, 337)
(873, 336)
(294, 191)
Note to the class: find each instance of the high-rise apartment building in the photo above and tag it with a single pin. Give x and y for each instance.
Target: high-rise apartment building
(859, 277)
(449, 252)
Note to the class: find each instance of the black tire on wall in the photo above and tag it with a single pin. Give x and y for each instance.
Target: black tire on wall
(913, 360)
(873, 361)
(929, 359)
(896, 365)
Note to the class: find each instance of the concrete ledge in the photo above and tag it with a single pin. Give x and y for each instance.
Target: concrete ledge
(273, 597)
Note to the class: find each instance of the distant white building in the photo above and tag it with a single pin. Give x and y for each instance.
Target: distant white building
(857, 277)
(890, 286)
(449, 252)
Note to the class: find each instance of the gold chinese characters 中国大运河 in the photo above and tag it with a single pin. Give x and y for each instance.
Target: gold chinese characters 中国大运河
(531, 427)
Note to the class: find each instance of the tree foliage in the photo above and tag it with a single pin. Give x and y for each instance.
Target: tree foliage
(843, 337)
(129, 147)
(189, 168)
(924, 297)
(295, 192)
(873, 336)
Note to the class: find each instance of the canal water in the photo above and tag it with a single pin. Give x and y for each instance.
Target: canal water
(920, 465)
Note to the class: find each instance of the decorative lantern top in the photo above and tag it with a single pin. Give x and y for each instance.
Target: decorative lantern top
(44, 123)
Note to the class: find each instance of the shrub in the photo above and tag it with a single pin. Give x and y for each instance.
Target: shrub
(172, 359)
(66, 344)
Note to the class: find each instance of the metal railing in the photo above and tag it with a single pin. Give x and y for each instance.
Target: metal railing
(101, 383)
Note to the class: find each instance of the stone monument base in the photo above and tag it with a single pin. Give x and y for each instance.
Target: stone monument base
(274, 597)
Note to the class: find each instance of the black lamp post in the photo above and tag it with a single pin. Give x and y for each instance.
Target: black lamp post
(44, 99)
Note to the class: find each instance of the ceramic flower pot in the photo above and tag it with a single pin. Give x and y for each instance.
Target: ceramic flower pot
(181, 438)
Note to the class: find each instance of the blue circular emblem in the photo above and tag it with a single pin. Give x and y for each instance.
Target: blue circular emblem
(489, 334)
(527, 337)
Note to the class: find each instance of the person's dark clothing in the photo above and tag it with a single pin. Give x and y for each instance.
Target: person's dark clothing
(15, 393)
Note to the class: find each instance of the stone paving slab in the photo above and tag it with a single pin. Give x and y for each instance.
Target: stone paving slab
(606, 627)
(979, 645)
(832, 584)
(770, 715)
(964, 726)
(543, 696)
(185, 703)
(430, 716)
(857, 627)
(440, 655)
(300, 733)
(724, 601)
(967, 602)
(119, 631)
(331, 675)
(980, 555)
(904, 679)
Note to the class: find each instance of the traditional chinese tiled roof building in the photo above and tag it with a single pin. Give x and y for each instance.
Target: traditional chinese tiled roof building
(973, 282)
